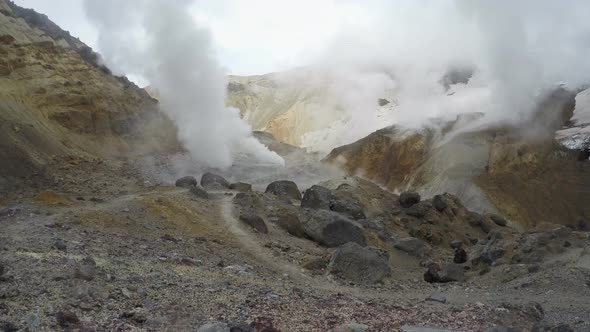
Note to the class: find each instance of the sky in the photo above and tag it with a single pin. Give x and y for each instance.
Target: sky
(250, 37)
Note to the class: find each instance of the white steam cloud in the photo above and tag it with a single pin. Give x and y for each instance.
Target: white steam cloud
(517, 51)
(158, 40)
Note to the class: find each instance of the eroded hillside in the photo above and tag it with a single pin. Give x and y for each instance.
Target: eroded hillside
(520, 171)
(56, 100)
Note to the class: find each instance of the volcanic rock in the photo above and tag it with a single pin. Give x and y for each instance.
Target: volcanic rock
(439, 203)
(186, 182)
(409, 198)
(331, 229)
(240, 186)
(199, 192)
(317, 197)
(413, 246)
(284, 189)
(363, 265)
(254, 221)
(214, 182)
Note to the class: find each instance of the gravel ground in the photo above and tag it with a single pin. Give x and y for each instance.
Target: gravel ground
(134, 258)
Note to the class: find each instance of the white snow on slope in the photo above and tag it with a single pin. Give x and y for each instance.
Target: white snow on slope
(578, 135)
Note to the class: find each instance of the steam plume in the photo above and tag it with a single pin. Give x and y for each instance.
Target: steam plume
(158, 41)
(516, 51)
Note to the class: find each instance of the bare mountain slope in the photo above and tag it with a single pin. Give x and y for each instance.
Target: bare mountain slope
(281, 104)
(310, 107)
(522, 172)
(56, 100)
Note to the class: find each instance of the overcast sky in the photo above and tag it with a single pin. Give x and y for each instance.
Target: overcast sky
(251, 36)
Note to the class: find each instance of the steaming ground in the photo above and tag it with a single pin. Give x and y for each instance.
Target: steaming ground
(299, 166)
(160, 42)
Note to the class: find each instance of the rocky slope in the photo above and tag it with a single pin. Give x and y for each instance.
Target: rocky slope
(56, 100)
(345, 254)
(522, 172)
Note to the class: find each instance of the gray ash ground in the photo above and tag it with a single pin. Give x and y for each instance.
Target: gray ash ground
(117, 256)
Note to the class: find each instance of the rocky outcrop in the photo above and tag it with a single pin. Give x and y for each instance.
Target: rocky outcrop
(214, 181)
(517, 172)
(186, 182)
(286, 190)
(413, 246)
(241, 186)
(446, 273)
(317, 197)
(331, 229)
(254, 221)
(363, 265)
(389, 156)
(56, 101)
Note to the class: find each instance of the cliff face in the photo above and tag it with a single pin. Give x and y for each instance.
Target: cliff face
(522, 173)
(56, 100)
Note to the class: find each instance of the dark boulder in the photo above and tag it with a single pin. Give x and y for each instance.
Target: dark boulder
(440, 203)
(583, 226)
(284, 189)
(490, 252)
(382, 101)
(460, 256)
(448, 273)
(477, 221)
(418, 210)
(317, 197)
(486, 226)
(349, 208)
(199, 192)
(499, 220)
(363, 265)
(413, 246)
(254, 221)
(8, 327)
(248, 201)
(214, 181)
(67, 319)
(186, 182)
(289, 221)
(241, 186)
(409, 198)
(474, 219)
(331, 229)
